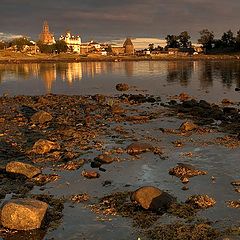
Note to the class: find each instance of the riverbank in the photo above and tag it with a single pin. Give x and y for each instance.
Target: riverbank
(17, 57)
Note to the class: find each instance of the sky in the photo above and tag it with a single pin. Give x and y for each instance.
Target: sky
(104, 20)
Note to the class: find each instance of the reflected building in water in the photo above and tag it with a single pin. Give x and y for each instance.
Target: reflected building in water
(48, 75)
(71, 72)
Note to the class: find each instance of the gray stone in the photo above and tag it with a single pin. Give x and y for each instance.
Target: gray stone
(25, 169)
(44, 146)
(152, 198)
(23, 214)
(41, 117)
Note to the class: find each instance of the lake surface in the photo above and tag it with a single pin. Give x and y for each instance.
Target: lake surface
(212, 81)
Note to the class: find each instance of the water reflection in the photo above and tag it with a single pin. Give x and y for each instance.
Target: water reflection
(180, 71)
(72, 78)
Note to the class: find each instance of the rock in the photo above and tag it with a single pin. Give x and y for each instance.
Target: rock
(25, 169)
(104, 159)
(90, 174)
(2, 120)
(188, 126)
(233, 204)
(152, 198)
(236, 182)
(122, 87)
(185, 171)
(44, 146)
(201, 201)
(183, 96)
(204, 104)
(41, 117)
(23, 214)
(116, 109)
(237, 89)
(226, 101)
(138, 148)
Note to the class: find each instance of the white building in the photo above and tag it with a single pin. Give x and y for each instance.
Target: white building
(73, 42)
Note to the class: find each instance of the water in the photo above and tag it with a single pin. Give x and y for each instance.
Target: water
(212, 81)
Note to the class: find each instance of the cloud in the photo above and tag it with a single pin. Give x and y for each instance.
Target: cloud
(9, 36)
(116, 19)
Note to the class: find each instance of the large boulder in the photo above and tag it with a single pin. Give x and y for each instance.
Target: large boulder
(23, 214)
(25, 169)
(44, 146)
(152, 198)
(41, 117)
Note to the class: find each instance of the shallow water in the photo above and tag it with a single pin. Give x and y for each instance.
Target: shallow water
(211, 80)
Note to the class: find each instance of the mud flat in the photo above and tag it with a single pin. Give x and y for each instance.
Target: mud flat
(127, 166)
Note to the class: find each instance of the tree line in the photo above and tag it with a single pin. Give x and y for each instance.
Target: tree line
(227, 43)
(20, 43)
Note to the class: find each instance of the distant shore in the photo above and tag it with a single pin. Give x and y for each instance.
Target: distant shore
(7, 57)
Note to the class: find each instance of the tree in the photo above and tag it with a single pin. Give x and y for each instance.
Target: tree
(151, 47)
(206, 38)
(184, 40)
(60, 46)
(45, 48)
(172, 41)
(237, 40)
(20, 43)
(228, 39)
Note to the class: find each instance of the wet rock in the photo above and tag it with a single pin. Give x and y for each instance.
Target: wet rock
(41, 117)
(201, 201)
(25, 169)
(23, 214)
(185, 171)
(204, 104)
(2, 120)
(43, 179)
(152, 198)
(236, 182)
(44, 146)
(104, 159)
(116, 109)
(138, 148)
(226, 101)
(90, 174)
(122, 87)
(188, 126)
(80, 198)
(189, 104)
(233, 204)
(137, 118)
(183, 96)
(72, 165)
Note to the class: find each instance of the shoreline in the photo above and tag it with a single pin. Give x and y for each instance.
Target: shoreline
(18, 58)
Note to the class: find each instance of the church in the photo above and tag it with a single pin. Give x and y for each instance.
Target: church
(46, 37)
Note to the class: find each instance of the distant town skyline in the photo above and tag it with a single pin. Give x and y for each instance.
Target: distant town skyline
(110, 19)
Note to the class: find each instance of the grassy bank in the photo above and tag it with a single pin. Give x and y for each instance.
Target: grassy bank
(17, 57)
